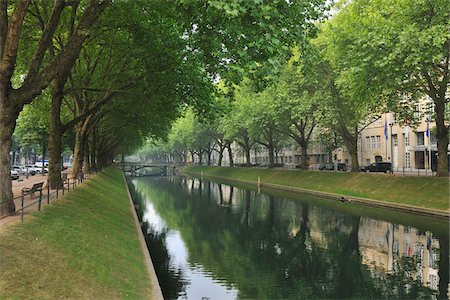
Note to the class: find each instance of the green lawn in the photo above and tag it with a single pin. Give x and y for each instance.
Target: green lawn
(83, 246)
(429, 192)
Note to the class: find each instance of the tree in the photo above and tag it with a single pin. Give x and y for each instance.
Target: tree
(395, 48)
(340, 107)
(235, 126)
(260, 115)
(40, 70)
(297, 106)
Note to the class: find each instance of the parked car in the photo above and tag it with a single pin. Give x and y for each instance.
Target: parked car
(39, 164)
(328, 166)
(332, 166)
(342, 167)
(32, 170)
(19, 169)
(14, 175)
(385, 167)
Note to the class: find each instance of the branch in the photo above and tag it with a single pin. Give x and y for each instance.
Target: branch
(11, 39)
(87, 89)
(71, 108)
(44, 43)
(367, 124)
(65, 58)
(38, 16)
(90, 111)
(3, 24)
(313, 125)
(73, 16)
(432, 90)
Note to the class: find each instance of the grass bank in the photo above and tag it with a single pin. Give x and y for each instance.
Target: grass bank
(427, 192)
(83, 247)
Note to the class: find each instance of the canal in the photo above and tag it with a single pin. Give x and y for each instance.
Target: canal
(215, 241)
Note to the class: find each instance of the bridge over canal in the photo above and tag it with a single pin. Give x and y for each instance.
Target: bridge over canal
(162, 169)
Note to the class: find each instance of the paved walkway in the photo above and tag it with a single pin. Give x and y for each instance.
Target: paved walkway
(23, 182)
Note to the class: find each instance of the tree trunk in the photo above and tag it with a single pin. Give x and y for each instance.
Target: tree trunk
(7, 125)
(94, 149)
(271, 156)
(355, 164)
(442, 138)
(248, 161)
(219, 163)
(192, 156)
(209, 157)
(351, 142)
(55, 136)
(86, 160)
(230, 154)
(78, 152)
(304, 163)
(44, 150)
(352, 147)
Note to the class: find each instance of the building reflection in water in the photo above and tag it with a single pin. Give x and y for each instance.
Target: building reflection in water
(310, 242)
(384, 245)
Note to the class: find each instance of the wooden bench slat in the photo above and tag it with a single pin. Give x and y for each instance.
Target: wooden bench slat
(36, 187)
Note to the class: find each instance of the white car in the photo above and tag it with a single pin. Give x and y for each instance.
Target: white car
(14, 175)
(19, 169)
(38, 167)
(32, 170)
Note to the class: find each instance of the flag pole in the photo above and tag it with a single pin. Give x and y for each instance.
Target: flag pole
(429, 143)
(386, 135)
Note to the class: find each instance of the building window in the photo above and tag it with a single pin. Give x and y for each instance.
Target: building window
(367, 143)
(408, 160)
(372, 138)
(368, 161)
(420, 139)
(378, 137)
(395, 140)
(417, 111)
(406, 139)
(433, 139)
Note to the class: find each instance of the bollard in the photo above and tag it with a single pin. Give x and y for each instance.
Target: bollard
(57, 190)
(40, 200)
(68, 185)
(48, 193)
(21, 211)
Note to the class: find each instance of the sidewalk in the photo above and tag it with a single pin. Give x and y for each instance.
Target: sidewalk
(23, 182)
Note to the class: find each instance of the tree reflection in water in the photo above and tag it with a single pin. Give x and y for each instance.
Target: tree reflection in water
(268, 247)
(170, 278)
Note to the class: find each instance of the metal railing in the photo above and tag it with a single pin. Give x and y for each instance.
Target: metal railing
(46, 195)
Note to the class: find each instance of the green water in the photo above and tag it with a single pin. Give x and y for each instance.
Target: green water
(215, 241)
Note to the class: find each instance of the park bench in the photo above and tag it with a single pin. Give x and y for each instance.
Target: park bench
(37, 187)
